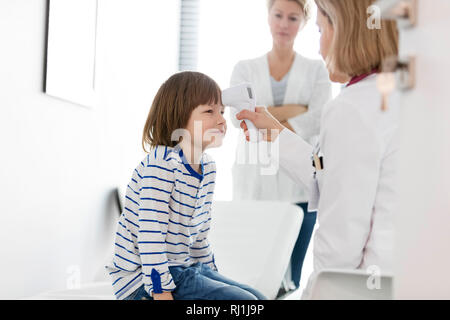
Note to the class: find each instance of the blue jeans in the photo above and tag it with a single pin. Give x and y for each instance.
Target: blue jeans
(200, 282)
(301, 245)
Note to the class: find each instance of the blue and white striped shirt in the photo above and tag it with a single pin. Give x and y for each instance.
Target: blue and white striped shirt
(165, 222)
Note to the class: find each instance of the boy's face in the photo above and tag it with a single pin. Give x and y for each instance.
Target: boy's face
(207, 126)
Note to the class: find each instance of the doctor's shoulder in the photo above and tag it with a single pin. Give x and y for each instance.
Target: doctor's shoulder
(367, 99)
(354, 114)
(341, 112)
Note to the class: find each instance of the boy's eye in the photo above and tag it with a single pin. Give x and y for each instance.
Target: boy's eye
(293, 19)
(209, 111)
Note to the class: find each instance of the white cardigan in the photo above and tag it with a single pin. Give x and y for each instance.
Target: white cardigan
(357, 186)
(309, 85)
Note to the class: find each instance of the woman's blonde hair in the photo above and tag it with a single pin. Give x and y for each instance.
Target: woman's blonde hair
(304, 4)
(173, 105)
(357, 49)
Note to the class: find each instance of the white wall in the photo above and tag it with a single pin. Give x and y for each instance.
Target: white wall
(423, 220)
(59, 161)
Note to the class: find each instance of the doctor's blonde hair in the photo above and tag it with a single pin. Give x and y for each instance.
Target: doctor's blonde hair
(356, 49)
(304, 4)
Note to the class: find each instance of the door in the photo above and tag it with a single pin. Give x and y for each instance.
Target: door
(423, 218)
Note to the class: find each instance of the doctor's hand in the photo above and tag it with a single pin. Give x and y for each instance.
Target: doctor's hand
(263, 120)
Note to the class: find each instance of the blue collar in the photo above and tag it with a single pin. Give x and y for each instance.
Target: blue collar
(188, 166)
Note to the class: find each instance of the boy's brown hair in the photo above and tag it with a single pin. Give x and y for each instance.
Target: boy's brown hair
(173, 104)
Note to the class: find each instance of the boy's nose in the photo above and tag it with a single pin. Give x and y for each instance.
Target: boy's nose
(222, 119)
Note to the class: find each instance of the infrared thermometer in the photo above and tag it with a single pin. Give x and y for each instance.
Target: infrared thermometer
(242, 97)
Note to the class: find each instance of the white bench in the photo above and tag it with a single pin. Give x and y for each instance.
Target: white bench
(335, 284)
(252, 243)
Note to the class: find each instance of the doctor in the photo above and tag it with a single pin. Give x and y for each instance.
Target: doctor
(295, 89)
(352, 183)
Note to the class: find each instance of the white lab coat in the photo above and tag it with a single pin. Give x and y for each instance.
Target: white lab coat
(308, 84)
(357, 186)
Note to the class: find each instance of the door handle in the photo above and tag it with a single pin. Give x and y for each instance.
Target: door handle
(404, 70)
(403, 11)
(406, 73)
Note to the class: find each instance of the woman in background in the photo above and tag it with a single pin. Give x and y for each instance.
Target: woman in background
(295, 89)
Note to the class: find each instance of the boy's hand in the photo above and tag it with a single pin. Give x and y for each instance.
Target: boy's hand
(163, 296)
